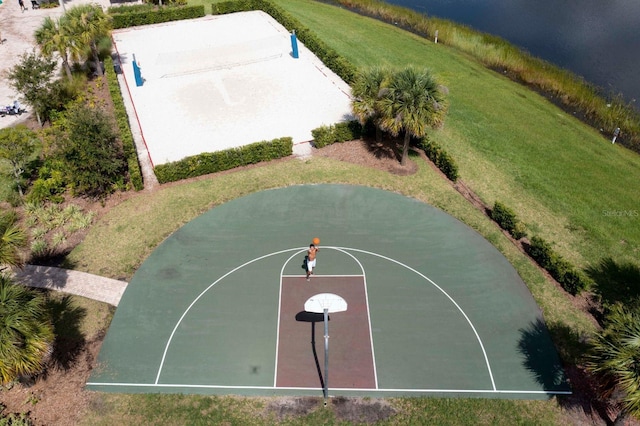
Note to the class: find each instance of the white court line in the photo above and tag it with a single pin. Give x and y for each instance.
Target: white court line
(363, 275)
(344, 249)
(326, 276)
(366, 298)
(273, 388)
(275, 375)
(484, 352)
(166, 348)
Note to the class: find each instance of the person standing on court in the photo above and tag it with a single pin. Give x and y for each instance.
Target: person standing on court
(21, 3)
(311, 260)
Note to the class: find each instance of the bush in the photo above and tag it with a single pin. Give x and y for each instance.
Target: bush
(93, 161)
(341, 66)
(506, 218)
(50, 185)
(440, 158)
(560, 269)
(212, 162)
(124, 17)
(114, 10)
(124, 130)
(339, 132)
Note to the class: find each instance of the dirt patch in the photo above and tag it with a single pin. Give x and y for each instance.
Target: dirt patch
(369, 153)
(57, 397)
(360, 410)
(352, 410)
(288, 407)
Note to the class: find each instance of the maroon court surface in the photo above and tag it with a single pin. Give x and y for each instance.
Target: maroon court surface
(301, 336)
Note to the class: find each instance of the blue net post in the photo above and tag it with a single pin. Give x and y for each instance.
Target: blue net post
(294, 45)
(136, 73)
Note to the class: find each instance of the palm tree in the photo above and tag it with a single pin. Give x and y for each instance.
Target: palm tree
(89, 24)
(12, 240)
(26, 333)
(56, 36)
(411, 102)
(615, 359)
(367, 91)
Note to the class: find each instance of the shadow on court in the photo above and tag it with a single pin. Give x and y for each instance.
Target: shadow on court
(540, 358)
(351, 357)
(313, 318)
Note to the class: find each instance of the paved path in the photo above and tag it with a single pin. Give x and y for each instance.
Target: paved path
(74, 282)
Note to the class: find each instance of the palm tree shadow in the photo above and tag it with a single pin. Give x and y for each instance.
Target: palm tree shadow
(615, 282)
(541, 358)
(69, 340)
(383, 149)
(313, 318)
(542, 361)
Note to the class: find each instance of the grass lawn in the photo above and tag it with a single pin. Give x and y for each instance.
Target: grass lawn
(560, 176)
(564, 180)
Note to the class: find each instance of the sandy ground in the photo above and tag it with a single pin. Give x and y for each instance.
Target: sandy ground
(16, 31)
(225, 81)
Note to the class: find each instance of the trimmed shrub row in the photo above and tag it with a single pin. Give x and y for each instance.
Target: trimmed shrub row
(124, 18)
(113, 10)
(440, 158)
(506, 218)
(339, 132)
(212, 162)
(338, 64)
(124, 130)
(569, 278)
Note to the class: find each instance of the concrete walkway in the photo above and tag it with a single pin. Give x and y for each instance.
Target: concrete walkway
(74, 282)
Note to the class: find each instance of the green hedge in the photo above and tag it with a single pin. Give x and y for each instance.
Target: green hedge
(212, 162)
(124, 130)
(132, 8)
(327, 55)
(569, 278)
(123, 18)
(440, 158)
(506, 218)
(339, 132)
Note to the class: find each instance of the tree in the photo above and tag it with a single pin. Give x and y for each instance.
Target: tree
(56, 36)
(92, 158)
(26, 332)
(31, 77)
(89, 24)
(615, 360)
(12, 240)
(411, 102)
(17, 146)
(367, 91)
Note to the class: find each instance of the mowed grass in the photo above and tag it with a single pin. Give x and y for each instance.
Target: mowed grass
(569, 184)
(182, 410)
(560, 176)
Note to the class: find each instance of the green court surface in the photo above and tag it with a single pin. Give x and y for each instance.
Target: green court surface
(434, 309)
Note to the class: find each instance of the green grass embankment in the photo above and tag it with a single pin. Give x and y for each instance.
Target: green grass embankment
(564, 180)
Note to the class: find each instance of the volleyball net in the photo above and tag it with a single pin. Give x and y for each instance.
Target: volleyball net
(212, 58)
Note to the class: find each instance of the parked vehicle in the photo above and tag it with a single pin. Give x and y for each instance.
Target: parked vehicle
(15, 109)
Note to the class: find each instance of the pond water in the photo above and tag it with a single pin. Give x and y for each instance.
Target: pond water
(598, 40)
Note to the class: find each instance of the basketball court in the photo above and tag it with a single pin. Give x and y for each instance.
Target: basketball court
(432, 308)
(220, 82)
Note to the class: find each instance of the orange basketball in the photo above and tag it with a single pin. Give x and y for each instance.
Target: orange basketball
(316, 241)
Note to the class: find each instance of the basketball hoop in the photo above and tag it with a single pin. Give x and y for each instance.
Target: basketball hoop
(324, 303)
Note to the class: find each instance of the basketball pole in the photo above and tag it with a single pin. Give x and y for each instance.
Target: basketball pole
(326, 355)
(325, 303)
